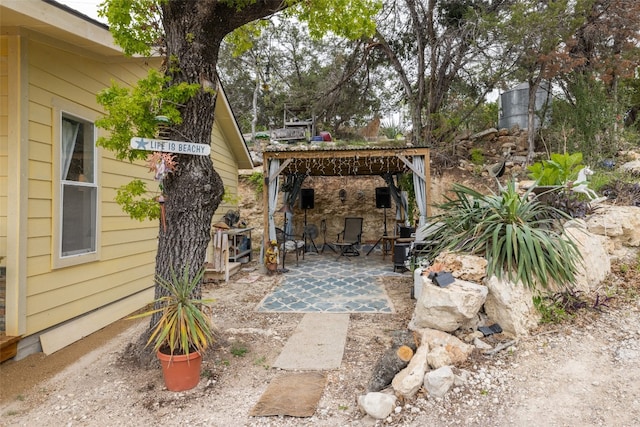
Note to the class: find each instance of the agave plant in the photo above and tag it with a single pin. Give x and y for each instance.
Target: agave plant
(185, 325)
(518, 235)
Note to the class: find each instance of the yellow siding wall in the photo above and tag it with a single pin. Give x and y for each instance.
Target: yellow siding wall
(225, 164)
(127, 247)
(59, 79)
(4, 125)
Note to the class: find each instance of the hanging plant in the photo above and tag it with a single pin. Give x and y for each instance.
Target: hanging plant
(161, 164)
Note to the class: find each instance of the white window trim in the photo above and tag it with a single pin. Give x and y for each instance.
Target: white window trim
(58, 261)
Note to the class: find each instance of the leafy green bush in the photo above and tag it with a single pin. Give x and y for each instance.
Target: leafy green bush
(256, 179)
(517, 235)
(557, 171)
(477, 156)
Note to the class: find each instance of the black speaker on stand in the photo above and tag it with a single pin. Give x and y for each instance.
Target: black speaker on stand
(383, 197)
(383, 201)
(307, 196)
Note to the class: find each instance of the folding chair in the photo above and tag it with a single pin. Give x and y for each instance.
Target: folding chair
(288, 243)
(349, 237)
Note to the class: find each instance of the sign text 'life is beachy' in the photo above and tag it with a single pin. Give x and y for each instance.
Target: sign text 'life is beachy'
(162, 145)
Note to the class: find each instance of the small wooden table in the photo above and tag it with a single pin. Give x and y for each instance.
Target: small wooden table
(388, 240)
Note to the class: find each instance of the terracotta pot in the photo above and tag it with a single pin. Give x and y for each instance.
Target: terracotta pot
(181, 372)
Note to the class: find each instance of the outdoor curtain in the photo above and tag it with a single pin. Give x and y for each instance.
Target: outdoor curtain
(294, 182)
(420, 188)
(400, 199)
(274, 180)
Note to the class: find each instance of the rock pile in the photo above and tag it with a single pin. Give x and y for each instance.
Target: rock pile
(451, 322)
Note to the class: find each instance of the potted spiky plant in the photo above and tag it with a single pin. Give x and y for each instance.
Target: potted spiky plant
(184, 330)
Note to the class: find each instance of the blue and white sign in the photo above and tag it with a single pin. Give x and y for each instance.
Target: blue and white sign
(180, 147)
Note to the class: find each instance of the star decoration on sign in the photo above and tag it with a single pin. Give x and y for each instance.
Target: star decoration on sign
(142, 144)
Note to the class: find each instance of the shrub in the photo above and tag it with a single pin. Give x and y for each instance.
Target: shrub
(517, 235)
(558, 170)
(477, 156)
(256, 179)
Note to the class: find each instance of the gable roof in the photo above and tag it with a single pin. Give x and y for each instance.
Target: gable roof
(51, 22)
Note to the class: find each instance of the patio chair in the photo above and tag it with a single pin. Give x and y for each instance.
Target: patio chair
(289, 243)
(349, 237)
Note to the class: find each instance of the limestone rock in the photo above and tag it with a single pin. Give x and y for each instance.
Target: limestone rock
(621, 224)
(456, 350)
(467, 267)
(511, 306)
(632, 167)
(486, 134)
(376, 404)
(481, 344)
(447, 308)
(439, 382)
(596, 263)
(408, 381)
(438, 357)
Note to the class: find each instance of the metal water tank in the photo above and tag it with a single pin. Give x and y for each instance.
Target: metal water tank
(513, 104)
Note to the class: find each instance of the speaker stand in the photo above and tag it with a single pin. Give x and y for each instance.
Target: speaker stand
(323, 228)
(384, 234)
(305, 236)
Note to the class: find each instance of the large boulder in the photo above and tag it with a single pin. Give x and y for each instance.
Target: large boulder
(620, 224)
(596, 263)
(471, 268)
(447, 308)
(511, 306)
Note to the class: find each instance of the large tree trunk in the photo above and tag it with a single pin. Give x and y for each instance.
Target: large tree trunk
(193, 33)
(194, 190)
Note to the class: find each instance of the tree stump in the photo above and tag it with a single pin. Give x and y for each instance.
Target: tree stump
(392, 361)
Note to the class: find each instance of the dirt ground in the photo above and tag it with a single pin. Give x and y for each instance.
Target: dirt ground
(585, 371)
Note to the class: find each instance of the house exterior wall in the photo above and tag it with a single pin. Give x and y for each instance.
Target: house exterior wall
(226, 165)
(56, 291)
(54, 63)
(43, 290)
(4, 102)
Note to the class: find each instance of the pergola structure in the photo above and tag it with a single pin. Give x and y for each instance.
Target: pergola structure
(297, 162)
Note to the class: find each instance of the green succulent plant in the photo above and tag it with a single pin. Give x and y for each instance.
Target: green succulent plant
(185, 325)
(518, 235)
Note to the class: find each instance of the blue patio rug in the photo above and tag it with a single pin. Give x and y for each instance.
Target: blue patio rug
(331, 285)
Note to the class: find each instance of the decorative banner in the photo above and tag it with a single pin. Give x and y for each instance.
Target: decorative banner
(180, 147)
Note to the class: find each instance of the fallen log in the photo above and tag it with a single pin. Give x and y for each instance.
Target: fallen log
(392, 361)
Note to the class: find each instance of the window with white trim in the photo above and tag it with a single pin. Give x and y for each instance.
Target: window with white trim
(79, 189)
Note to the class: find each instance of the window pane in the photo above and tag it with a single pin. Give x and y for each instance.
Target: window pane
(77, 150)
(78, 219)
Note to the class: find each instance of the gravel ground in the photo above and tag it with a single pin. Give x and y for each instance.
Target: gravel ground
(585, 371)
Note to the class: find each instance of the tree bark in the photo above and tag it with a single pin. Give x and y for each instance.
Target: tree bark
(392, 361)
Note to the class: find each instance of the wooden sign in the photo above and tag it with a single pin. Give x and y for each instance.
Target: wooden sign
(180, 147)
